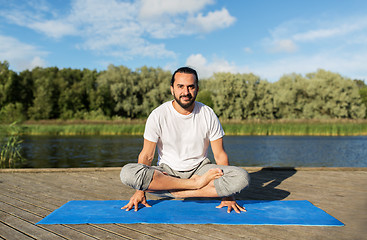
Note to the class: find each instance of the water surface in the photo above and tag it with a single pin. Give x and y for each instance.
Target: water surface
(275, 151)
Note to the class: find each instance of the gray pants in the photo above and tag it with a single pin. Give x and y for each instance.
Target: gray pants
(139, 176)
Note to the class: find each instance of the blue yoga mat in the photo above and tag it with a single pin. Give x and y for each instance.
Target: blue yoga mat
(289, 212)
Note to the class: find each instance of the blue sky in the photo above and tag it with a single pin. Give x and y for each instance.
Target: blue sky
(266, 37)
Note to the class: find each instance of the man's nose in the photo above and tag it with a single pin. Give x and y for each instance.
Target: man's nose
(186, 90)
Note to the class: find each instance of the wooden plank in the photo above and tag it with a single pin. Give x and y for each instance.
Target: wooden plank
(127, 232)
(100, 231)
(208, 231)
(28, 228)
(8, 232)
(192, 232)
(152, 230)
(40, 209)
(31, 217)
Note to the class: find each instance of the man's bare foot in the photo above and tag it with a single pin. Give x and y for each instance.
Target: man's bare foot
(211, 174)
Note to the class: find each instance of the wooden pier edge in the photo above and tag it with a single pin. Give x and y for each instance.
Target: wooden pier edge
(251, 169)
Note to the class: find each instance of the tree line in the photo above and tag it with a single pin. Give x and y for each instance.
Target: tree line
(119, 92)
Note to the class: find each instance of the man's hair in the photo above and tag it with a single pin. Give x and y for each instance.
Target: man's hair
(185, 70)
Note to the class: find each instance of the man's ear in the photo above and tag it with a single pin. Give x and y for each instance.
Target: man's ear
(171, 90)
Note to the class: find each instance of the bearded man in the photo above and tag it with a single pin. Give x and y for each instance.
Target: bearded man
(182, 130)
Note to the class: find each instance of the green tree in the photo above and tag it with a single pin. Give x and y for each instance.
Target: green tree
(10, 85)
(153, 88)
(234, 95)
(205, 96)
(290, 96)
(12, 112)
(264, 101)
(46, 94)
(334, 96)
(363, 94)
(26, 91)
(132, 94)
(73, 99)
(116, 88)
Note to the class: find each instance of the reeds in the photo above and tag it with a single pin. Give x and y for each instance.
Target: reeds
(250, 127)
(84, 129)
(297, 127)
(10, 155)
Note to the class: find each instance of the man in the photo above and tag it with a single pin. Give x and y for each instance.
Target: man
(182, 130)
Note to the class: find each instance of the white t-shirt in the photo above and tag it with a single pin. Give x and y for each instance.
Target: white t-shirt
(182, 140)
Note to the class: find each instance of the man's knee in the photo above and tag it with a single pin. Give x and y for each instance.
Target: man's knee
(234, 180)
(243, 178)
(136, 175)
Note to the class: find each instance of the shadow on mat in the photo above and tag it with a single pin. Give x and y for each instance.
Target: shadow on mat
(264, 184)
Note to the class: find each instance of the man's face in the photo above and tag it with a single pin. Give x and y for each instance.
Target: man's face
(184, 89)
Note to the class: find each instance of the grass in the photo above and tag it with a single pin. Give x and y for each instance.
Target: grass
(10, 151)
(250, 127)
(297, 127)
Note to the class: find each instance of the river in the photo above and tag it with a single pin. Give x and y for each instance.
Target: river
(262, 151)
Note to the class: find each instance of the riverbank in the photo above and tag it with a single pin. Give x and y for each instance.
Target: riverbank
(231, 127)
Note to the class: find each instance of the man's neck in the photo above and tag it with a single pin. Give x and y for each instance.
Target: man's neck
(181, 110)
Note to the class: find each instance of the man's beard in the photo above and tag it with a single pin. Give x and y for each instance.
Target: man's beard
(185, 105)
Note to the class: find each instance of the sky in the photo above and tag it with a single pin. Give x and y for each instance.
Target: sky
(269, 38)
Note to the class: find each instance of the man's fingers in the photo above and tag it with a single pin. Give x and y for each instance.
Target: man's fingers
(127, 207)
(136, 206)
(229, 209)
(220, 205)
(242, 209)
(146, 204)
(237, 208)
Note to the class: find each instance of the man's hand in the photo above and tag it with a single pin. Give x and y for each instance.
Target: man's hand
(230, 202)
(138, 197)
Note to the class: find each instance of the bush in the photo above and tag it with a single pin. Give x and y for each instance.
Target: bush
(12, 112)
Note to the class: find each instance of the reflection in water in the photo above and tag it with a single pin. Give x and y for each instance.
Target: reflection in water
(290, 151)
(275, 151)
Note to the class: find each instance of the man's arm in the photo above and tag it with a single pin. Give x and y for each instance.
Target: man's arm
(221, 158)
(146, 157)
(220, 155)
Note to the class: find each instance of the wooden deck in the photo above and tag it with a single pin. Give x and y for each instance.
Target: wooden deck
(27, 196)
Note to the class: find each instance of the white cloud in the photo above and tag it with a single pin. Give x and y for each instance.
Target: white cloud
(349, 67)
(175, 19)
(206, 69)
(54, 28)
(121, 28)
(334, 30)
(283, 45)
(37, 62)
(289, 39)
(34, 14)
(153, 9)
(21, 55)
(335, 44)
(212, 21)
